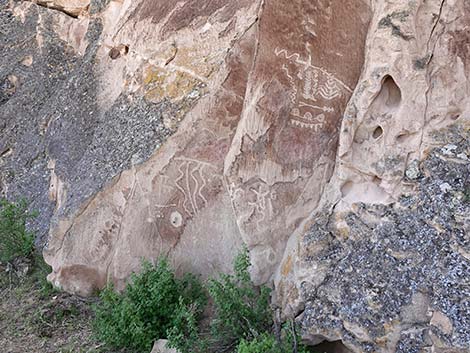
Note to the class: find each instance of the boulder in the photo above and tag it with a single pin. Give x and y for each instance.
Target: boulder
(375, 264)
(160, 347)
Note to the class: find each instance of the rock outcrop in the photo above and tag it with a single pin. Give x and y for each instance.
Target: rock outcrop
(331, 137)
(71, 7)
(283, 153)
(383, 264)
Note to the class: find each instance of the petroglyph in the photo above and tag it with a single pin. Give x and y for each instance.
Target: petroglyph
(314, 89)
(310, 25)
(259, 198)
(295, 58)
(176, 219)
(263, 203)
(193, 178)
(188, 192)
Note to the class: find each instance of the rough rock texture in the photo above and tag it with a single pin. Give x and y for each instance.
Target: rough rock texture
(383, 264)
(284, 150)
(331, 137)
(175, 203)
(229, 170)
(160, 347)
(395, 277)
(70, 7)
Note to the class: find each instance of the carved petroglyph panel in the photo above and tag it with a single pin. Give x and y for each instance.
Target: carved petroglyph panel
(186, 188)
(313, 90)
(256, 202)
(189, 188)
(175, 203)
(194, 177)
(283, 154)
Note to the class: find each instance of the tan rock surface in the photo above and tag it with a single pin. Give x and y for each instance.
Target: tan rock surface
(283, 153)
(397, 140)
(176, 203)
(257, 141)
(70, 7)
(330, 136)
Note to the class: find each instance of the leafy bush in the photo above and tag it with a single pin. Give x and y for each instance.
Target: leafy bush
(267, 343)
(156, 304)
(262, 344)
(15, 239)
(39, 276)
(146, 310)
(184, 335)
(241, 309)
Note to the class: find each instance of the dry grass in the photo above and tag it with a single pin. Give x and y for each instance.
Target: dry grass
(35, 318)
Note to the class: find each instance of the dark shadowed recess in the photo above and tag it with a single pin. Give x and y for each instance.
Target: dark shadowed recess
(331, 347)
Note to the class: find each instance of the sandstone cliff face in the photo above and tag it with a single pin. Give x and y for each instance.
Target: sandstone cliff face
(383, 264)
(331, 137)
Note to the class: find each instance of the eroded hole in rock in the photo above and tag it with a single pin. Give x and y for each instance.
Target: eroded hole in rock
(346, 188)
(378, 132)
(118, 51)
(390, 92)
(331, 347)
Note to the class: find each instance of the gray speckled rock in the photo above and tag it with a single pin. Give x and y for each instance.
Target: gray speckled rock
(383, 264)
(149, 127)
(392, 260)
(53, 115)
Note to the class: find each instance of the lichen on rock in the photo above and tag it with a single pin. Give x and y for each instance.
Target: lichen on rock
(330, 137)
(395, 260)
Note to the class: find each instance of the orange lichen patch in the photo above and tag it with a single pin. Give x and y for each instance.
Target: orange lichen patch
(160, 83)
(195, 60)
(287, 266)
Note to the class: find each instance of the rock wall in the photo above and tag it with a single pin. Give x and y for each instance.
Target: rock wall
(331, 137)
(283, 153)
(383, 264)
(214, 170)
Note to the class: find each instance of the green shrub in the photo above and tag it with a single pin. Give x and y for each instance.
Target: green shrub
(39, 276)
(15, 239)
(146, 310)
(184, 335)
(263, 344)
(241, 309)
(267, 343)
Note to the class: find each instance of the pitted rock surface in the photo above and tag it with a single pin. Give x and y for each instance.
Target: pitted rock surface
(210, 60)
(382, 265)
(392, 269)
(330, 137)
(175, 202)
